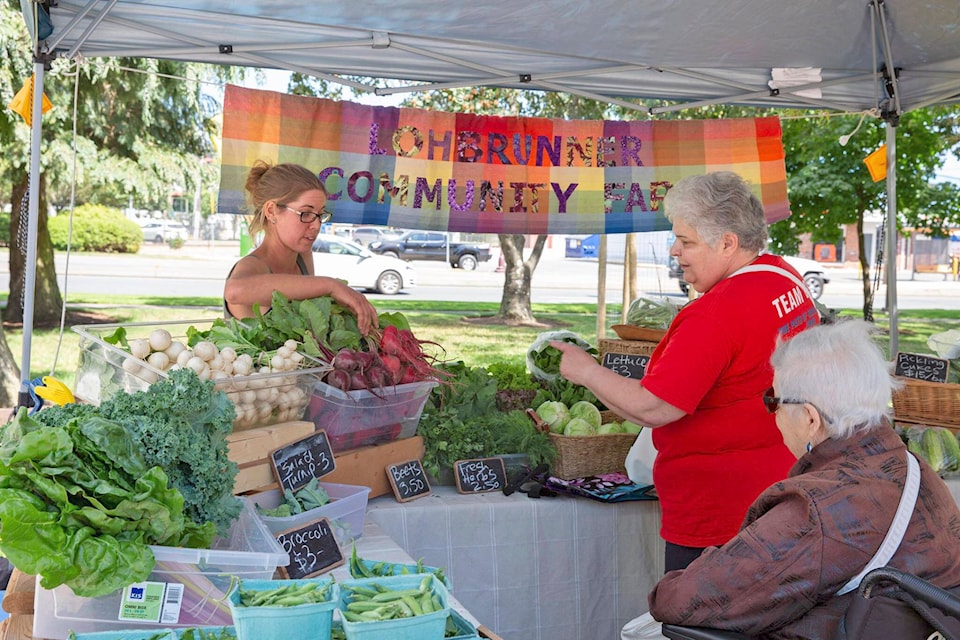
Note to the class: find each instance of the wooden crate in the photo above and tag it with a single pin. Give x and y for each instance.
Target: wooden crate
(251, 449)
(367, 466)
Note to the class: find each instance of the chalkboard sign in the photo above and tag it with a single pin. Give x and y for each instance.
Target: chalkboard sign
(628, 365)
(312, 547)
(480, 475)
(297, 463)
(922, 367)
(408, 479)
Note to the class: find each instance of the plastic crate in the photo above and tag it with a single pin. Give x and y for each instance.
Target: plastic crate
(101, 374)
(345, 511)
(248, 551)
(361, 418)
(302, 622)
(428, 626)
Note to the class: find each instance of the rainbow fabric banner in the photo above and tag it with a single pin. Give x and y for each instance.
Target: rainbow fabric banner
(417, 169)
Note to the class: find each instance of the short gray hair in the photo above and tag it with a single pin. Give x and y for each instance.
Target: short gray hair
(841, 371)
(717, 203)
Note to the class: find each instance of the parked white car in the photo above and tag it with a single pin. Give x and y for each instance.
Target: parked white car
(811, 271)
(344, 259)
(163, 230)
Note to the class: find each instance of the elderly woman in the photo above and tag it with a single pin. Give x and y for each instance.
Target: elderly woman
(288, 203)
(807, 536)
(717, 449)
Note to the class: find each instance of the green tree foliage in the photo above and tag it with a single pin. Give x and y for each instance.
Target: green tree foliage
(830, 186)
(95, 228)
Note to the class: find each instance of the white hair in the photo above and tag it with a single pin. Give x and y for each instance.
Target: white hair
(840, 370)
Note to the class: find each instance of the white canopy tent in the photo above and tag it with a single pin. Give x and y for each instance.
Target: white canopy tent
(879, 57)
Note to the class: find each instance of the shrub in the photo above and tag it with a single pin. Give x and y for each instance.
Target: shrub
(96, 228)
(4, 228)
(175, 242)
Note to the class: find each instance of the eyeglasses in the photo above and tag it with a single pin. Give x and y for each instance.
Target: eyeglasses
(307, 217)
(772, 402)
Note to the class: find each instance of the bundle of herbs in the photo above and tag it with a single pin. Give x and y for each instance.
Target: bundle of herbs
(461, 421)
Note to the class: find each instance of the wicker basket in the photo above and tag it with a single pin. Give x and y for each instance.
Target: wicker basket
(580, 456)
(932, 403)
(635, 347)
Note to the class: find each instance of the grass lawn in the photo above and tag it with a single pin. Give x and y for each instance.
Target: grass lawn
(450, 324)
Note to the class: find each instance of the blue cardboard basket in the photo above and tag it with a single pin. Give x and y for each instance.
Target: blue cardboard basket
(302, 622)
(145, 634)
(428, 626)
(400, 569)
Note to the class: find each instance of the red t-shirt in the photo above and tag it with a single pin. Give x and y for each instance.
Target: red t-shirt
(714, 364)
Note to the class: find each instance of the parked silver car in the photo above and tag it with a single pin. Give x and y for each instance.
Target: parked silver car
(365, 235)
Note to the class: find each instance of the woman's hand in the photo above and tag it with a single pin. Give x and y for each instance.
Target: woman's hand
(576, 365)
(358, 303)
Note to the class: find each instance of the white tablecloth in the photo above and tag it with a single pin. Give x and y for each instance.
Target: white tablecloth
(558, 568)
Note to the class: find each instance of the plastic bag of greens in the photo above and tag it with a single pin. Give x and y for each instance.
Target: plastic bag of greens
(543, 360)
(945, 344)
(652, 312)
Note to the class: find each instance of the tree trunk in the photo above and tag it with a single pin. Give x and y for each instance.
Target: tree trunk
(47, 302)
(515, 306)
(9, 374)
(865, 271)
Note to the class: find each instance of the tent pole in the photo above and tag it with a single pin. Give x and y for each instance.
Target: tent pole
(30, 266)
(892, 257)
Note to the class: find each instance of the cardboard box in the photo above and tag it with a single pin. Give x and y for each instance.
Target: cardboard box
(366, 466)
(251, 449)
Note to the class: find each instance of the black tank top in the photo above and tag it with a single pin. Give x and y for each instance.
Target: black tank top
(301, 264)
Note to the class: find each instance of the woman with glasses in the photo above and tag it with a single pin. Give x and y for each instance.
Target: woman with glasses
(288, 207)
(716, 447)
(788, 573)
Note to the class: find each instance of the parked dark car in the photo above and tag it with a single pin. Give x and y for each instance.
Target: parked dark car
(432, 245)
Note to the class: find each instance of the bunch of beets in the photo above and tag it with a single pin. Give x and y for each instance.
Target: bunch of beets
(395, 356)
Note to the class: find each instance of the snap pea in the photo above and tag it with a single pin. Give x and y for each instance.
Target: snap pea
(379, 602)
(289, 595)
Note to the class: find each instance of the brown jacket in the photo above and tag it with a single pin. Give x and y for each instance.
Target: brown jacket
(805, 537)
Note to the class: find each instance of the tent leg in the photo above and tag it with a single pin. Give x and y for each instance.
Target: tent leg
(892, 257)
(30, 266)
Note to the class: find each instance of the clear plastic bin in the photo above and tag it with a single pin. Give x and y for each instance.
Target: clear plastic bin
(345, 511)
(248, 551)
(261, 399)
(361, 418)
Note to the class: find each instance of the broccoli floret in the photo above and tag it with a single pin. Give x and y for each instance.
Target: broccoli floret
(180, 424)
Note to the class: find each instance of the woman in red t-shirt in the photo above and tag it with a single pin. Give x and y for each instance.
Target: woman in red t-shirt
(717, 448)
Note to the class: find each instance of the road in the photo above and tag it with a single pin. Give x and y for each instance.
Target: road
(199, 268)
